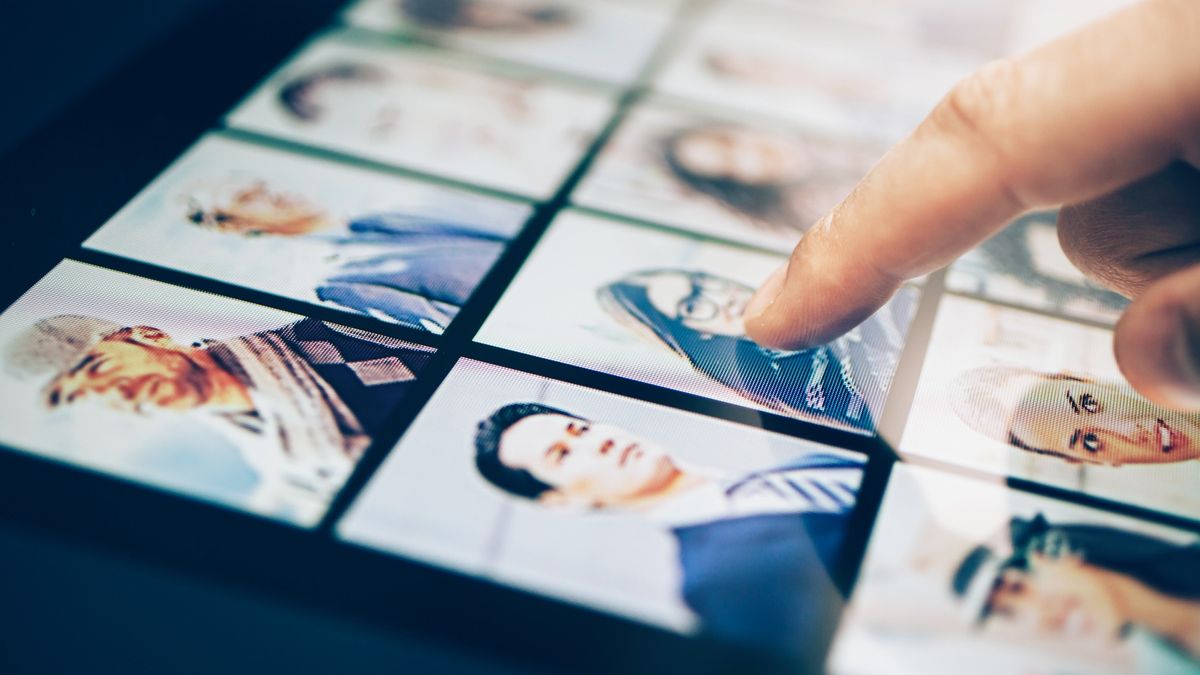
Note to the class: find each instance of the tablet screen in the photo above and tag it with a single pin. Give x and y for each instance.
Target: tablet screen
(461, 283)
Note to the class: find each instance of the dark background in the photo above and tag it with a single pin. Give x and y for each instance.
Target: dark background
(69, 609)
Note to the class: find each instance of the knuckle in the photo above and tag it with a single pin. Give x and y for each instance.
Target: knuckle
(1099, 249)
(981, 107)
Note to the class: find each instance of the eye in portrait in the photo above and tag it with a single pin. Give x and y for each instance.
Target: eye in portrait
(1027, 395)
(665, 516)
(666, 308)
(396, 250)
(746, 180)
(216, 398)
(1011, 582)
(413, 108)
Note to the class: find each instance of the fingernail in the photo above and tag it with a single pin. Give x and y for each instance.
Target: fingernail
(766, 294)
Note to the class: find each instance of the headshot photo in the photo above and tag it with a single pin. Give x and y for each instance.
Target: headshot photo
(735, 531)
(1024, 264)
(666, 308)
(698, 316)
(272, 419)
(392, 249)
(1017, 583)
(609, 40)
(813, 67)
(417, 108)
(749, 181)
(1031, 396)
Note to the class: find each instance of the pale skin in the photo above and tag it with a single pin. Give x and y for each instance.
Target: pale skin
(591, 465)
(1065, 597)
(141, 368)
(1106, 121)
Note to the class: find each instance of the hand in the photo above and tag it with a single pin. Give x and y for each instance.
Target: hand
(1105, 120)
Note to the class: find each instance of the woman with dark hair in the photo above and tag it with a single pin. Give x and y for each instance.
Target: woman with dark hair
(774, 180)
(520, 16)
(1092, 584)
(699, 317)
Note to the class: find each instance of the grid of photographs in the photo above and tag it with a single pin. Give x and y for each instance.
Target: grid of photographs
(491, 257)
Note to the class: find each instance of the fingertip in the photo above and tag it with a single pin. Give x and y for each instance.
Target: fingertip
(1157, 342)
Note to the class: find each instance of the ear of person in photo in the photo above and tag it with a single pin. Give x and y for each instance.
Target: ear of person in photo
(285, 409)
(393, 249)
(431, 111)
(743, 528)
(1038, 585)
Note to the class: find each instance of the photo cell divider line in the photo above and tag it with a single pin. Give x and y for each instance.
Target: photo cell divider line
(241, 293)
(1060, 494)
(1083, 321)
(743, 415)
(460, 333)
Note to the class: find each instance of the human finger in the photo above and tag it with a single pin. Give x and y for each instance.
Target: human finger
(1077, 118)
(1130, 238)
(1157, 341)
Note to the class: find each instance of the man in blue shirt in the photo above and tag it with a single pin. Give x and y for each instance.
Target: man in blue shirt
(755, 550)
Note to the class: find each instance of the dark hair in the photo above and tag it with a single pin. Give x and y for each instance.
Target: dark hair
(766, 203)
(1164, 566)
(297, 95)
(446, 14)
(518, 482)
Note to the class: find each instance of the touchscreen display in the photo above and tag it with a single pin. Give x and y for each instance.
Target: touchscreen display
(462, 282)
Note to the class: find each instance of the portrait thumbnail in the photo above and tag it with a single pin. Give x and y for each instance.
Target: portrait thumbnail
(815, 68)
(608, 40)
(963, 576)
(1025, 395)
(1024, 264)
(418, 109)
(666, 308)
(394, 249)
(678, 520)
(214, 398)
(737, 178)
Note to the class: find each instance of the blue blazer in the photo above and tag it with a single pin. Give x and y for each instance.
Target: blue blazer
(765, 580)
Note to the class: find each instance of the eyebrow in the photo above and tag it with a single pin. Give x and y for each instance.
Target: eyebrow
(82, 364)
(1073, 403)
(1074, 440)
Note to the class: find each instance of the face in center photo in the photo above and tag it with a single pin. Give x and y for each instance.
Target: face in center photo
(684, 522)
(666, 309)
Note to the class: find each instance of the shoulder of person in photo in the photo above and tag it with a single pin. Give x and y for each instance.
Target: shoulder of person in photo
(742, 538)
(1074, 418)
(302, 399)
(416, 269)
(1087, 584)
(699, 316)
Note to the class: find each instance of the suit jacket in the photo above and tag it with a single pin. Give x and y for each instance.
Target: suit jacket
(765, 580)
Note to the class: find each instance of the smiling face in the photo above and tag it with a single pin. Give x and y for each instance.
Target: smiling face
(586, 464)
(1102, 423)
(133, 369)
(255, 209)
(740, 155)
(704, 303)
(1060, 597)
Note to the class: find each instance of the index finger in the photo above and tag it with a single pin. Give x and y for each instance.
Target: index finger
(1072, 120)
